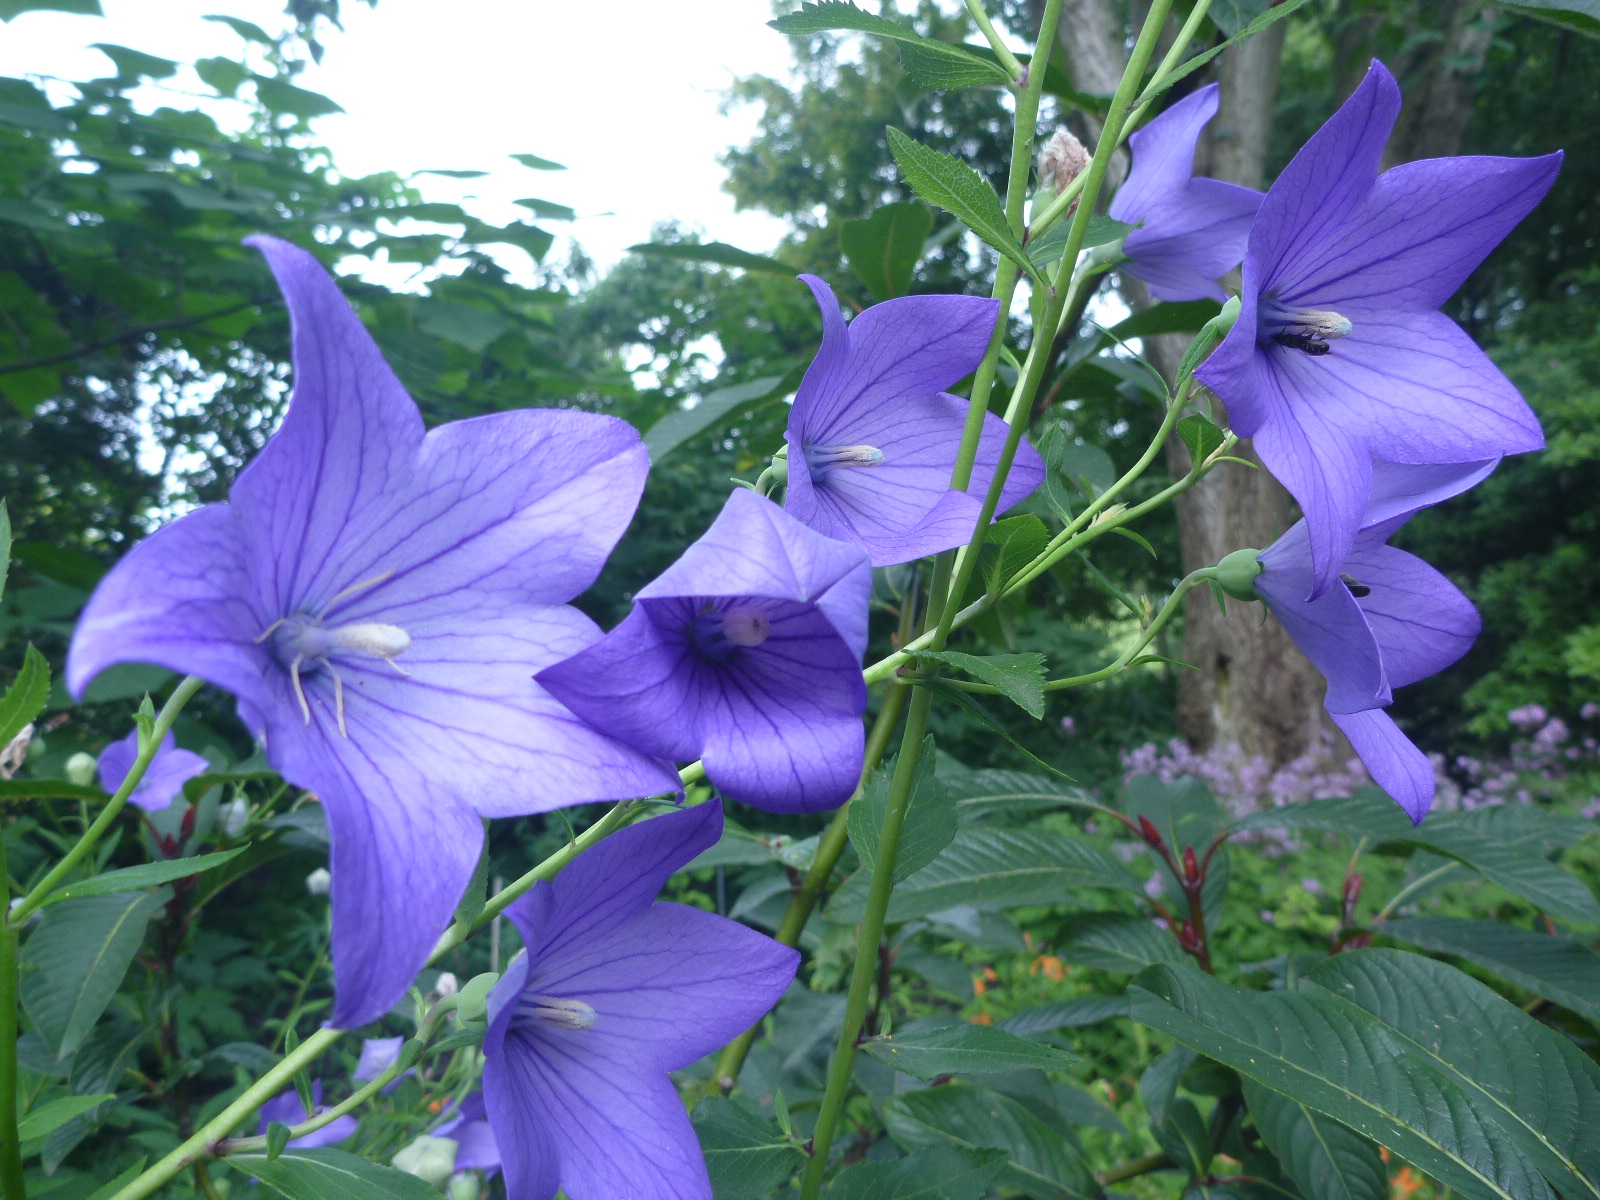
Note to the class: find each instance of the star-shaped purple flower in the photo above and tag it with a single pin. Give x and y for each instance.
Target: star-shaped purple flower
(873, 436)
(1339, 356)
(285, 1108)
(613, 992)
(164, 778)
(1191, 231)
(378, 598)
(746, 652)
(1391, 620)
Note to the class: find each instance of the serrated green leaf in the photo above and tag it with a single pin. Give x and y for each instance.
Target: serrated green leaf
(1117, 942)
(828, 16)
(747, 1156)
(1340, 1060)
(948, 183)
(1012, 544)
(940, 65)
(990, 868)
(1326, 1160)
(78, 955)
(1040, 1161)
(1048, 247)
(930, 820)
(937, 1173)
(883, 249)
(1019, 677)
(26, 697)
(1200, 435)
(1559, 969)
(327, 1174)
(719, 253)
(964, 1049)
(132, 879)
(678, 427)
(57, 1113)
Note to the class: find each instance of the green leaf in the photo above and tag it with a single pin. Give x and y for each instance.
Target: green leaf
(1019, 677)
(221, 73)
(883, 249)
(1541, 1090)
(1338, 1059)
(547, 210)
(1170, 316)
(1069, 1014)
(245, 29)
(678, 427)
(78, 955)
(938, 1173)
(1117, 942)
(1040, 1161)
(327, 1174)
(132, 879)
(948, 183)
(720, 253)
(473, 329)
(993, 789)
(964, 1049)
(1559, 969)
(990, 868)
(285, 98)
(531, 238)
(1583, 16)
(477, 893)
(136, 64)
(48, 1117)
(10, 9)
(1326, 1160)
(930, 820)
(534, 162)
(1012, 544)
(828, 16)
(747, 1156)
(1276, 12)
(1200, 435)
(26, 697)
(1048, 247)
(942, 66)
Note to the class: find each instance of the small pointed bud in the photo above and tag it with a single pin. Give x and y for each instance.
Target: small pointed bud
(1149, 832)
(1188, 938)
(1237, 572)
(1061, 161)
(1191, 865)
(81, 768)
(186, 824)
(319, 882)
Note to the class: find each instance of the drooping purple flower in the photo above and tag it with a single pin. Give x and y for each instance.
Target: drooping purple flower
(746, 652)
(1391, 620)
(873, 436)
(1191, 231)
(613, 992)
(377, 598)
(1339, 357)
(468, 1126)
(164, 778)
(285, 1108)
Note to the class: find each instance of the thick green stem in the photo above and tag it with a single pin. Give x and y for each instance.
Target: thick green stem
(147, 751)
(12, 1186)
(1007, 59)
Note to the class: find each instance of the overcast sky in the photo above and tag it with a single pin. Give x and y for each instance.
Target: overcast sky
(624, 92)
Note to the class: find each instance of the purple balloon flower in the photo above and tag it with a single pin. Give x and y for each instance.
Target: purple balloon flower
(377, 599)
(1191, 231)
(285, 1108)
(469, 1128)
(163, 780)
(1338, 357)
(873, 437)
(746, 652)
(613, 992)
(1392, 621)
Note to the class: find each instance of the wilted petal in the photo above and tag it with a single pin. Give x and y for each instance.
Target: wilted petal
(1420, 619)
(1397, 766)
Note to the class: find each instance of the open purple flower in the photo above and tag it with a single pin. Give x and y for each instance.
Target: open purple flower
(613, 992)
(377, 598)
(1391, 620)
(746, 652)
(164, 778)
(1339, 356)
(285, 1108)
(873, 436)
(1191, 231)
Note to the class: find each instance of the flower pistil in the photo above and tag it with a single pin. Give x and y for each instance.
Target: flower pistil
(1308, 330)
(553, 1010)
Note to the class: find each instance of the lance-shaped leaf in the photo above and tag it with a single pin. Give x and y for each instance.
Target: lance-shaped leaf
(719, 253)
(930, 821)
(1017, 677)
(942, 66)
(1117, 942)
(937, 1173)
(1326, 1160)
(747, 1157)
(964, 1049)
(678, 426)
(883, 249)
(26, 697)
(132, 879)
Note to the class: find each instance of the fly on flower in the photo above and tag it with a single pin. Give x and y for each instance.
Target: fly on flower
(1339, 357)
(377, 598)
(613, 991)
(873, 436)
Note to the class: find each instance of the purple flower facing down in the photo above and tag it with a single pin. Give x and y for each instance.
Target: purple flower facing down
(873, 436)
(285, 1108)
(163, 780)
(1391, 620)
(746, 652)
(613, 992)
(1191, 231)
(1339, 357)
(377, 598)
(469, 1128)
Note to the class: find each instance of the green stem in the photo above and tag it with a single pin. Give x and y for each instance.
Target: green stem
(1135, 1168)
(1415, 885)
(147, 751)
(12, 1186)
(1007, 59)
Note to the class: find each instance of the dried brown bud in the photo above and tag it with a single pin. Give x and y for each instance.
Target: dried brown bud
(1062, 160)
(12, 754)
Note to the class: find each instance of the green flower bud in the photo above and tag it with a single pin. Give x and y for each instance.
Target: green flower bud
(82, 768)
(1236, 574)
(465, 1186)
(431, 1159)
(472, 1003)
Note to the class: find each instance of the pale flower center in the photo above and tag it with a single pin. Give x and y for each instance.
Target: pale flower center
(716, 634)
(1308, 330)
(563, 1014)
(822, 459)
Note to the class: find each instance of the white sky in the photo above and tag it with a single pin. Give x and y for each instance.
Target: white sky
(625, 93)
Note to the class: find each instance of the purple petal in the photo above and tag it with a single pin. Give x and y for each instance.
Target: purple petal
(1397, 766)
(1330, 630)
(182, 599)
(285, 1108)
(512, 1090)
(476, 1147)
(1163, 155)
(1400, 489)
(1420, 619)
(163, 780)
(377, 1056)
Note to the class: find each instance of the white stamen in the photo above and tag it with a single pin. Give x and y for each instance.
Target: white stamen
(378, 640)
(565, 1014)
(338, 702)
(300, 692)
(820, 458)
